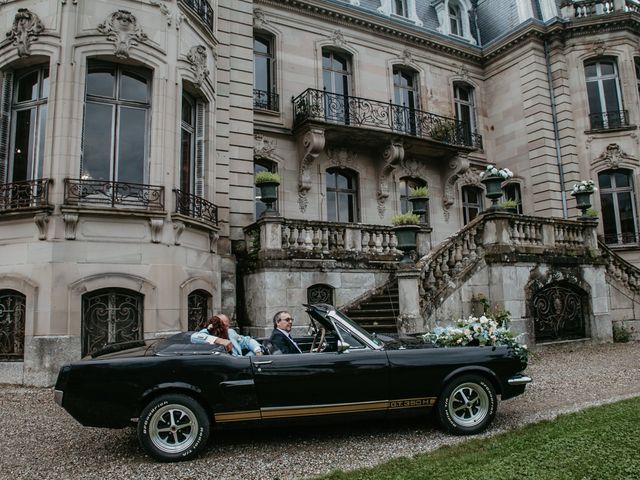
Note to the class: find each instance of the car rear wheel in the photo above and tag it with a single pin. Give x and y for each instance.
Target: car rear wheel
(467, 405)
(173, 427)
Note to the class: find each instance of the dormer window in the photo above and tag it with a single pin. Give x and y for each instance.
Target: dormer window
(400, 7)
(455, 20)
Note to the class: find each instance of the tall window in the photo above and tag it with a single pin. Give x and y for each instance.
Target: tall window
(264, 93)
(12, 316)
(262, 165)
(637, 63)
(400, 8)
(110, 315)
(405, 185)
(617, 199)
(603, 91)
(342, 195)
(199, 306)
(464, 100)
(336, 78)
(192, 129)
(512, 192)
(116, 123)
(455, 19)
(405, 91)
(471, 203)
(25, 94)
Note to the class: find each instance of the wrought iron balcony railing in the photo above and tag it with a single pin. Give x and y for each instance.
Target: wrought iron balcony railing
(203, 9)
(24, 195)
(627, 238)
(362, 112)
(196, 207)
(105, 193)
(264, 100)
(609, 120)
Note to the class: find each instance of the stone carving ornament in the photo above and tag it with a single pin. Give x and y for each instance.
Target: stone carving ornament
(613, 156)
(391, 157)
(263, 147)
(197, 56)
(122, 28)
(342, 157)
(311, 146)
(457, 167)
(26, 28)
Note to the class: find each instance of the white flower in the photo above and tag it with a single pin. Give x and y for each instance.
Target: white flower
(483, 319)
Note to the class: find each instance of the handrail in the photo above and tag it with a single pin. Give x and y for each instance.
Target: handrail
(24, 195)
(196, 207)
(619, 269)
(330, 107)
(202, 9)
(106, 193)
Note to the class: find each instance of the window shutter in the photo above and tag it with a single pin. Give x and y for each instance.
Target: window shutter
(199, 148)
(5, 114)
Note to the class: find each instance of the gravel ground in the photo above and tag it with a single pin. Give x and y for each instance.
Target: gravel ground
(41, 441)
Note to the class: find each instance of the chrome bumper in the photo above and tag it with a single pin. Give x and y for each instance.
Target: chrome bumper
(519, 380)
(57, 396)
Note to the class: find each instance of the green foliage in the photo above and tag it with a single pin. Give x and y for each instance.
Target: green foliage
(406, 219)
(620, 333)
(265, 177)
(508, 203)
(591, 212)
(418, 192)
(595, 444)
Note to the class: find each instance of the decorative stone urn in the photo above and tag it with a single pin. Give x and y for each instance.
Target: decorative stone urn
(583, 200)
(268, 195)
(407, 240)
(419, 205)
(493, 184)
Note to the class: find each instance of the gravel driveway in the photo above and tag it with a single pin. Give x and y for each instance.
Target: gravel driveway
(41, 441)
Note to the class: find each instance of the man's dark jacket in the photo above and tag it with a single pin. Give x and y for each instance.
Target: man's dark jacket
(282, 342)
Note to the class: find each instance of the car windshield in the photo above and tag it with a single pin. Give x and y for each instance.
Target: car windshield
(359, 329)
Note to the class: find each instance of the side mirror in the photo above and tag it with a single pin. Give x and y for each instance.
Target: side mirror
(343, 346)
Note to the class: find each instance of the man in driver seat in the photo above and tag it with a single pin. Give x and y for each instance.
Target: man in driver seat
(281, 335)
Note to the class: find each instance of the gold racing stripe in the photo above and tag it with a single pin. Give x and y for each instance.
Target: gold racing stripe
(330, 409)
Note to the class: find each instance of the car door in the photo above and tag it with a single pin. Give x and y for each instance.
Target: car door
(321, 384)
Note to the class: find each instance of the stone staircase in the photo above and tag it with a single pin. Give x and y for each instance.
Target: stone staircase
(378, 311)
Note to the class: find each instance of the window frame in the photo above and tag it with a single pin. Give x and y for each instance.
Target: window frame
(517, 197)
(466, 205)
(599, 79)
(272, 90)
(459, 104)
(615, 191)
(352, 193)
(456, 17)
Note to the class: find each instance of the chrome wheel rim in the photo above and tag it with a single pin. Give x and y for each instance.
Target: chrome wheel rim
(173, 428)
(468, 404)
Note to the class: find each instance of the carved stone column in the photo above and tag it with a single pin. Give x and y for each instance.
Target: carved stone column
(156, 229)
(41, 220)
(70, 225)
(270, 233)
(391, 157)
(457, 166)
(409, 320)
(310, 147)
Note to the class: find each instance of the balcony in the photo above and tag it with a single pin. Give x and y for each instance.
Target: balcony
(202, 9)
(627, 239)
(265, 100)
(590, 8)
(109, 194)
(609, 120)
(331, 108)
(196, 207)
(23, 196)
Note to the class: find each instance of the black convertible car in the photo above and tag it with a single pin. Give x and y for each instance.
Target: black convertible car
(177, 391)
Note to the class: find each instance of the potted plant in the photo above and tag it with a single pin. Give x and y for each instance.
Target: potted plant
(582, 191)
(419, 198)
(492, 178)
(268, 183)
(509, 205)
(406, 226)
(442, 132)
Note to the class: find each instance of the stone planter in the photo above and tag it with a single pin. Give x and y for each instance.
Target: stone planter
(268, 195)
(583, 201)
(407, 240)
(419, 205)
(493, 185)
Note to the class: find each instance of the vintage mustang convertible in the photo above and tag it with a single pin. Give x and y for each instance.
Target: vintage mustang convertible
(177, 392)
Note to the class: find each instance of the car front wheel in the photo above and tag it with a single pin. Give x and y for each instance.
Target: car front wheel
(173, 427)
(467, 405)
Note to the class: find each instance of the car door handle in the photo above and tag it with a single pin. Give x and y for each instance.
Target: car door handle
(265, 362)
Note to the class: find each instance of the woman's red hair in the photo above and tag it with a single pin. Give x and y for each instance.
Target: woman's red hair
(216, 327)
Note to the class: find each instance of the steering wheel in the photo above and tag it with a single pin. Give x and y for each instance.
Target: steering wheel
(320, 345)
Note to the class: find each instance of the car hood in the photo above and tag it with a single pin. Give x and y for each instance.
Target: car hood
(405, 342)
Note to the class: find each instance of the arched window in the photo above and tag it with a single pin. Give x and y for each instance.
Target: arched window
(199, 306)
(617, 199)
(262, 165)
(26, 92)
(464, 100)
(320, 293)
(336, 79)
(512, 192)
(111, 315)
(472, 203)
(455, 19)
(342, 195)
(405, 91)
(404, 186)
(12, 317)
(116, 123)
(603, 92)
(264, 81)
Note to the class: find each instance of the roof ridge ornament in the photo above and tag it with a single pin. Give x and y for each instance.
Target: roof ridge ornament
(26, 28)
(121, 27)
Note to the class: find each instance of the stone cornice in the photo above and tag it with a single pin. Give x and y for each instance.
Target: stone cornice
(533, 30)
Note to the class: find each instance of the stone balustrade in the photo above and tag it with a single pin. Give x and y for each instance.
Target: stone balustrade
(588, 8)
(326, 239)
(621, 270)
